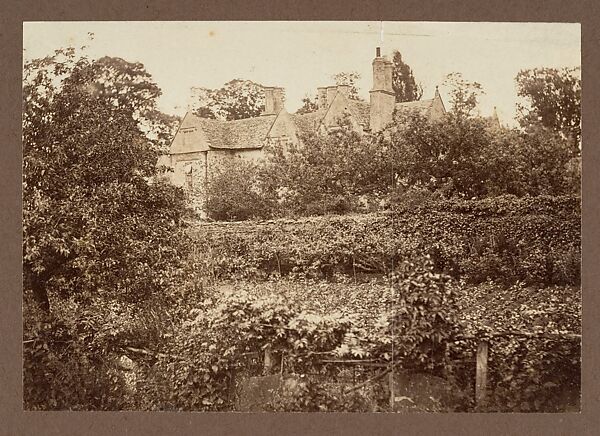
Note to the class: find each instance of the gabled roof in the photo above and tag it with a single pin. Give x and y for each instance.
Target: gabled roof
(308, 122)
(248, 133)
(361, 111)
(420, 106)
(237, 134)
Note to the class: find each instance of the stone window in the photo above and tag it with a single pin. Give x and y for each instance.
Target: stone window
(189, 178)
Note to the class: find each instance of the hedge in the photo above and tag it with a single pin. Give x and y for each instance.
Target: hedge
(536, 240)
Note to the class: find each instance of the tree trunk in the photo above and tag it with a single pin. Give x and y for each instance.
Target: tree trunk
(36, 284)
(40, 295)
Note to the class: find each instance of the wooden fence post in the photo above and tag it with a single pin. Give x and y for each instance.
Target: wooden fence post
(481, 372)
(392, 393)
(268, 362)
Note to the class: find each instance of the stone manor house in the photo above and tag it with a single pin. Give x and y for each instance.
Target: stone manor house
(199, 142)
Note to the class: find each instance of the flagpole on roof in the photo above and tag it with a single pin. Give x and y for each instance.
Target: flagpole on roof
(381, 36)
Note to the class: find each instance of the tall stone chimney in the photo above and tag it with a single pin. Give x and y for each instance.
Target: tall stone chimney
(274, 98)
(382, 94)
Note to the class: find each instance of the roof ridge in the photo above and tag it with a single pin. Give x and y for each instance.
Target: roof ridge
(426, 100)
(282, 110)
(178, 127)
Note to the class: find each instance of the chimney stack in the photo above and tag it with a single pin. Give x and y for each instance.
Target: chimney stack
(382, 95)
(274, 99)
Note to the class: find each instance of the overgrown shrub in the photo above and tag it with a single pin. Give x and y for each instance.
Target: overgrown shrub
(463, 156)
(421, 317)
(63, 371)
(527, 374)
(210, 346)
(327, 174)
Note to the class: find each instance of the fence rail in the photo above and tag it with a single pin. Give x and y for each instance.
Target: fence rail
(481, 361)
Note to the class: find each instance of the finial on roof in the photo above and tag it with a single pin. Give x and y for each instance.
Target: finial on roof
(437, 91)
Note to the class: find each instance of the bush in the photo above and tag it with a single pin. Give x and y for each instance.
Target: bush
(421, 317)
(233, 192)
(210, 347)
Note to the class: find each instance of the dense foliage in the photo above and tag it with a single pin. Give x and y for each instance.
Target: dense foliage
(342, 171)
(462, 156)
(403, 81)
(539, 372)
(237, 99)
(431, 315)
(552, 98)
(337, 173)
(350, 79)
(534, 239)
(98, 230)
(129, 87)
(233, 191)
(221, 332)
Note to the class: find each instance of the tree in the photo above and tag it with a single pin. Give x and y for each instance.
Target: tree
(233, 191)
(129, 87)
(403, 82)
(94, 219)
(553, 99)
(441, 155)
(464, 94)
(308, 105)
(328, 173)
(462, 156)
(237, 99)
(349, 79)
(544, 157)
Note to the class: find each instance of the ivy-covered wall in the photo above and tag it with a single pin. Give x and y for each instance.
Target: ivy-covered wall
(507, 239)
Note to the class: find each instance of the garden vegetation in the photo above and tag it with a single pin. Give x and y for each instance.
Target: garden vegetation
(403, 248)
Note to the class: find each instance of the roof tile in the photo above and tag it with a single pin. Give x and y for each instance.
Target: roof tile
(420, 106)
(361, 110)
(246, 133)
(308, 122)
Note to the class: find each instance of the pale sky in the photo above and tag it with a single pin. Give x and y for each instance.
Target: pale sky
(300, 56)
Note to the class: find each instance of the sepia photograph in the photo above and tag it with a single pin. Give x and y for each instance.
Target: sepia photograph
(301, 216)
